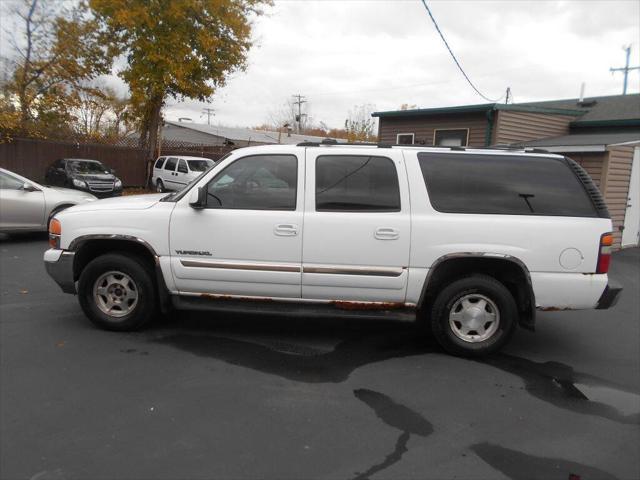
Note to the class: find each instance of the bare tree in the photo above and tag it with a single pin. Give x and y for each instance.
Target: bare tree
(360, 125)
(55, 49)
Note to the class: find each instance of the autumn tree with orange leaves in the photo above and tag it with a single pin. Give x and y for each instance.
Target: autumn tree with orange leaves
(174, 49)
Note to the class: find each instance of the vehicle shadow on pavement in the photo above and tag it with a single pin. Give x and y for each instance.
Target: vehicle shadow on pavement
(232, 339)
(359, 343)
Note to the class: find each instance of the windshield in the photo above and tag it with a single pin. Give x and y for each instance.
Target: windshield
(79, 166)
(177, 195)
(199, 165)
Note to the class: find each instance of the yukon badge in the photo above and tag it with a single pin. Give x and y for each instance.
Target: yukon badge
(202, 253)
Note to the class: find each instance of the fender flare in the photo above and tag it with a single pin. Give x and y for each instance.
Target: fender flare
(526, 321)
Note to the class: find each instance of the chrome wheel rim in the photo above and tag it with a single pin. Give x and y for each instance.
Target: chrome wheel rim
(474, 318)
(115, 293)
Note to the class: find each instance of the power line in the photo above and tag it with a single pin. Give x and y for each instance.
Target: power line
(454, 57)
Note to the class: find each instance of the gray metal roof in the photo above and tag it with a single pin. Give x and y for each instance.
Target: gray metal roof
(248, 135)
(593, 109)
(585, 139)
(614, 107)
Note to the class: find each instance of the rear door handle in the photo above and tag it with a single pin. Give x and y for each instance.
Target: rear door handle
(286, 230)
(387, 233)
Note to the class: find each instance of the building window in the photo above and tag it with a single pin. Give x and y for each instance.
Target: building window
(451, 138)
(405, 138)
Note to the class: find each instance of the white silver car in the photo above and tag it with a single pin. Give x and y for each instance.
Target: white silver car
(176, 172)
(27, 206)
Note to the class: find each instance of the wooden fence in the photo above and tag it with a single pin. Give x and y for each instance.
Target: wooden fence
(31, 157)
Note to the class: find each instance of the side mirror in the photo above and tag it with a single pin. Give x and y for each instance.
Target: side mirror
(27, 187)
(198, 198)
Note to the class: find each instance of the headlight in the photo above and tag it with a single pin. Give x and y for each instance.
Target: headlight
(79, 183)
(117, 183)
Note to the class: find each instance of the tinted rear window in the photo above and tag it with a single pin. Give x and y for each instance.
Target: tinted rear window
(356, 183)
(510, 185)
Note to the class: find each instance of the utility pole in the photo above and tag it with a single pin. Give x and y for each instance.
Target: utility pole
(300, 100)
(209, 112)
(507, 96)
(626, 69)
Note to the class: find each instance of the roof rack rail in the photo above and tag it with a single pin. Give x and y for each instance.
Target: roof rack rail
(333, 141)
(454, 148)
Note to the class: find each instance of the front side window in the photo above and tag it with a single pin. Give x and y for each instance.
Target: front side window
(182, 167)
(451, 138)
(356, 183)
(171, 164)
(405, 138)
(257, 182)
(159, 162)
(7, 182)
(504, 184)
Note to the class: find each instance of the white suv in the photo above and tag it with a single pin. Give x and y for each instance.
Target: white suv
(176, 172)
(469, 241)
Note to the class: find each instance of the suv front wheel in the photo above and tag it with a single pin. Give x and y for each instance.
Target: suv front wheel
(117, 292)
(473, 316)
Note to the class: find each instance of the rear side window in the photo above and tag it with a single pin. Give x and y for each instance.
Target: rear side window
(356, 183)
(171, 164)
(159, 162)
(182, 167)
(509, 185)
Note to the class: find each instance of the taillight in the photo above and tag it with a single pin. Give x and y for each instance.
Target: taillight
(604, 254)
(55, 230)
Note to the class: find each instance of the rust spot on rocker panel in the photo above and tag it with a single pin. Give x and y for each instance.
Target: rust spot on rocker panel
(343, 305)
(554, 309)
(212, 296)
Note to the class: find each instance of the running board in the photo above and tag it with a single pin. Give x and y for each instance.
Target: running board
(297, 309)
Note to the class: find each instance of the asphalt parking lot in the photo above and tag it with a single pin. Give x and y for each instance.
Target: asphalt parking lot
(219, 396)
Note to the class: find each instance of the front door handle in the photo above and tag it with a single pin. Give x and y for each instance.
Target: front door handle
(387, 233)
(286, 230)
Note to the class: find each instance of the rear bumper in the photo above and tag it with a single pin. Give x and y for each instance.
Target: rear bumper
(610, 296)
(59, 265)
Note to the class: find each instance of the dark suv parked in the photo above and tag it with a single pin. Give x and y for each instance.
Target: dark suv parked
(86, 175)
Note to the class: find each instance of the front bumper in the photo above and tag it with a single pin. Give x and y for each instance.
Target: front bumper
(59, 265)
(610, 296)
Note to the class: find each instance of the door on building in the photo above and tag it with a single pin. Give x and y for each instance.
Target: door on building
(631, 232)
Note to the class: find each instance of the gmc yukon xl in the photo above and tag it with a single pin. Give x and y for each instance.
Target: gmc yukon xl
(469, 241)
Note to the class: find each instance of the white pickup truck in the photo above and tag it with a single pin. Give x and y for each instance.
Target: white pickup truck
(470, 241)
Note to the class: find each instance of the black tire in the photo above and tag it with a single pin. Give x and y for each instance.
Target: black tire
(485, 286)
(160, 186)
(142, 311)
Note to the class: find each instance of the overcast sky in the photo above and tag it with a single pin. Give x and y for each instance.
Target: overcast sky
(341, 53)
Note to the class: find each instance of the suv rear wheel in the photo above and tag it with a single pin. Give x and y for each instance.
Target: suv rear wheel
(473, 316)
(117, 292)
